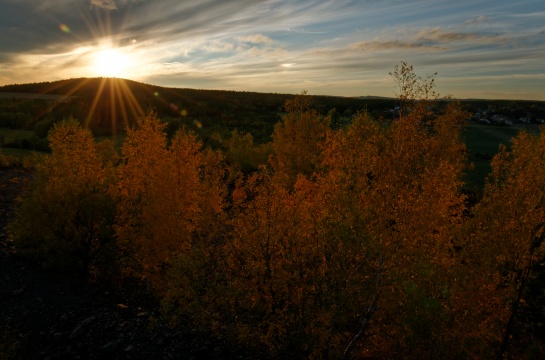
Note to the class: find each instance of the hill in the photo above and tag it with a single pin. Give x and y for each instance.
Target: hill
(109, 105)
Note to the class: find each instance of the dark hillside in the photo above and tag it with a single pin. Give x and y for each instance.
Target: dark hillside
(108, 105)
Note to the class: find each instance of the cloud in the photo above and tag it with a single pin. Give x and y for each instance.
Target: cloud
(113, 4)
(478, 20)
(539, 14)
(237, 43)
(497, 77)
(255, 39)
(104, 4)
(392, 45)
(218, 46)
(438, 35)
(273, 53)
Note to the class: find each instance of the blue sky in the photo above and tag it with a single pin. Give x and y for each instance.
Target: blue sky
(480, 49)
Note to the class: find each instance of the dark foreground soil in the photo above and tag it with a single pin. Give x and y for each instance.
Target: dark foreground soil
(45, 315)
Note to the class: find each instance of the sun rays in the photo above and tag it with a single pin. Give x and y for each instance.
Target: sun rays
(110, 58)
(115, 98)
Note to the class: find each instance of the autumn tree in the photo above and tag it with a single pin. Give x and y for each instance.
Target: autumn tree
(504, 241)
(350, 231)
(297, 138)
(162, 194)
(65, 220)
(349, 238)
(412, 89)
(243, 154)
(283, 286)
(397, 187)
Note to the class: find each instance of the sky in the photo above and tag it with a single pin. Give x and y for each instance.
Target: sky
(492, 49)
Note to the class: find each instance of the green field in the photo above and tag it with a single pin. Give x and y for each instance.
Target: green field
(483, 143)
(11, 135)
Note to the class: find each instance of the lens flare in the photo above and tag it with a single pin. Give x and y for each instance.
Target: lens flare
(184, 112)
(64, 28)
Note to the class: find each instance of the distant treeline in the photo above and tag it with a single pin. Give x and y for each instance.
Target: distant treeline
(107, 106)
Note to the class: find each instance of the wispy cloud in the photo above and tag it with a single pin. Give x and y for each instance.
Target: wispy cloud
(105, 4)
(378, 45)
(255, 39)
(331, 46)
(532, 14)
(438, 35)
(478, 20)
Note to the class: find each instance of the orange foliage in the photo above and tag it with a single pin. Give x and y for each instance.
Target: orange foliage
(161, 196)
(296, 256)
(65, 220)
(505, 239)
(296, 140)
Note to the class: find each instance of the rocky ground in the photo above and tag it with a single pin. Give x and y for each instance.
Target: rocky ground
(45, 315)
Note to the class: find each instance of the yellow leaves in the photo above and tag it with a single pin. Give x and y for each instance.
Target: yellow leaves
(514, 198)
(500, 240)
(296, 141)
(301, 247)
(65, 220)
(165, 194)
(300, 104)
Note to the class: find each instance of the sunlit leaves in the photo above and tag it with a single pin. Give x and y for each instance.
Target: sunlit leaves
(288, 256)
(160, 193)
(296, 140)
(507, 234)
(65, 220)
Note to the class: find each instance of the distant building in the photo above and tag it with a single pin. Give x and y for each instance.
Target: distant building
(395, 111)
(500, 119)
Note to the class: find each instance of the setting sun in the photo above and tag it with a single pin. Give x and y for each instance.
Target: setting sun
(110, 62)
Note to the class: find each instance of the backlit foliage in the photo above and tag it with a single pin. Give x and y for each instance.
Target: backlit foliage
(505, 240)
(397, 188)
(243, 154)
(162, 196)
(352, 241)
(296, 140)
(65, 219)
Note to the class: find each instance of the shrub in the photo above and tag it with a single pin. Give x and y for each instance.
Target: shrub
(65, 220)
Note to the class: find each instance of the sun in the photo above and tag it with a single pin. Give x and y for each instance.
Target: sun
(110, 63)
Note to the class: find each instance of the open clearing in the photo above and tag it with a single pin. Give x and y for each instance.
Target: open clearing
(483, 143)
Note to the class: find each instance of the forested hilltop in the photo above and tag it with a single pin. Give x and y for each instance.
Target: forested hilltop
(335, 239)
(108, 105)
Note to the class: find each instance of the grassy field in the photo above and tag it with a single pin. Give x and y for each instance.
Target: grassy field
(483, 143)
(11, 135)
